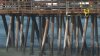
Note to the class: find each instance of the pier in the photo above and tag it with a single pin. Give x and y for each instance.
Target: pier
(47, 17)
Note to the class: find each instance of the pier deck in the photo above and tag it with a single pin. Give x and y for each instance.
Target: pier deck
(48, 7)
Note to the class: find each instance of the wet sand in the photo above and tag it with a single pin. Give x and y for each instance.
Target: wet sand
(14, 52)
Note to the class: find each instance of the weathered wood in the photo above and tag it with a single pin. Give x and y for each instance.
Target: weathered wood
(74, 31)
(66, 36)
(17, 31)
(96, 34)
(92, 35)
(13, 31)
(36, 28)
(32, 35)
(80, 25)
(5, 24)
(71, 33)
(40, 30)
(59, 35)
(26, 33)
(77, 32)
(9, 33)
(43, 28)
(57, 23)
(44, 36)
(63, 23)
(70, 43)
(43, 24)
(21, 32)
(52, 35)
(84, 35)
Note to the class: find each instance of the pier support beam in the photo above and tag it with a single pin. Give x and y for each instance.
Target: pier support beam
(52, 36)
(96, 34)
(37, 30)
(9, 36)
(84, 46)
(13, 30)
(59, 35)
(57, 23)
(32, 35)
(17, 31)
(92, 35)
(66, 36)
(77, 35)
(40, 30)
(26, 33)
(80, 25)
(44, 36)
(70, 43)
(5, 24)
(21, 32)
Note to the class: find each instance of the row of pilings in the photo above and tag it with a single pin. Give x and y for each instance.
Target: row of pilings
(71, 25)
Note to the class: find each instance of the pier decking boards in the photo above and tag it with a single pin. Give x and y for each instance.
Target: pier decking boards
(64, 16)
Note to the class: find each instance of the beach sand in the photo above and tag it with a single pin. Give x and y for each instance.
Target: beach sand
(14, 52)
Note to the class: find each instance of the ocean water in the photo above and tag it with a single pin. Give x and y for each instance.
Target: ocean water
(88, 33)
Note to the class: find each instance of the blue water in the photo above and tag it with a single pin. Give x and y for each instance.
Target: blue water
(3, 34)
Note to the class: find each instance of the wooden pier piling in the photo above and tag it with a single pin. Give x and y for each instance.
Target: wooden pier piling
(8, 42)
(44, 36)
(5, 23)
(26, 33)
(40, 30)
(96, 34)
(84, 46)
(66, 36)
(17, 31)
(77, 36)
(80, 25)
(70, 44)
(32, 35)
(92, 35)
(52, 36)
(59, 35)
(13, 31)
(21, 32)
